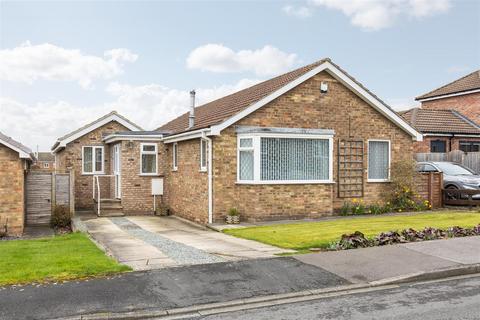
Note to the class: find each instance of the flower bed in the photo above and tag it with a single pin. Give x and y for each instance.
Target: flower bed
(358, 239)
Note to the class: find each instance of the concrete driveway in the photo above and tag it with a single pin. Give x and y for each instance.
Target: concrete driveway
(148, 242)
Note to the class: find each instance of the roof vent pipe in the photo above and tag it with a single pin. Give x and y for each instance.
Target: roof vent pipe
(191, 117)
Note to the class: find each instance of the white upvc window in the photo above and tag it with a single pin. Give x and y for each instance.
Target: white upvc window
(148, 159)
(203, 155)
(284, 159)
(92, 159)
(379, 157)
(46, 165)
(175, 156)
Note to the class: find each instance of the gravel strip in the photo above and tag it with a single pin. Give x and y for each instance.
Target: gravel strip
(181, 253)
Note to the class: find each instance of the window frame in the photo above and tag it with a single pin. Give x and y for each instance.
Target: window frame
(469, 143)
(175, 156)
(203, 157)
(443, 141)
(46, 165)
(389, 160)
(94, 172)
(142, 152)
(256, 147)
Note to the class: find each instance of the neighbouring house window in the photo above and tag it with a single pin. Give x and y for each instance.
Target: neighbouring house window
(46, 165)
(470, 146)
(148, 153)
(203, 155)
(92, 157)
(378, 160)
(438, 146)
(175, 156)
(280, 159)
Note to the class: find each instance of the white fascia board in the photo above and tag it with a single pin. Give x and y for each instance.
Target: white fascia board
(63, 143)
(339, 75)
(187, 136)
(449, 95)
(116, 137)
(22, 154)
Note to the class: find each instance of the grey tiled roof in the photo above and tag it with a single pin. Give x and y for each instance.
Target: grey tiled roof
(16, 144)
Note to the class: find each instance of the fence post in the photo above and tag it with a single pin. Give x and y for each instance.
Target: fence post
(71, 185)
(54, 190)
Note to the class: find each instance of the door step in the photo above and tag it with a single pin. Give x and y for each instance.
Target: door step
(110, 208)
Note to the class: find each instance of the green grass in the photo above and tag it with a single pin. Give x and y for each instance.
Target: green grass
(50, 259)
(301, 236)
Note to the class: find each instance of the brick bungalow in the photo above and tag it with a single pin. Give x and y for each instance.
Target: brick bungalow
(443, 130)
(120, 155)
(295, 146)
(44, 161)
(462, 95)
(15, 160)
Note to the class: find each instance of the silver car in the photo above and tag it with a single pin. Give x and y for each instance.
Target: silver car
(455, 176)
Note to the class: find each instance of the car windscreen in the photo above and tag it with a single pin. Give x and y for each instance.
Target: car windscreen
(453, 169)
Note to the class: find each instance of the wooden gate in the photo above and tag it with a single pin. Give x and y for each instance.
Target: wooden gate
(39, 198)
(44, 191)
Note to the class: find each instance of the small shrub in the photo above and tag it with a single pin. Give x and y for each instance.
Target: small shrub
(233, 212)
(375, 209)
(390, 237)
(352, 241)
(357, 207)
(411, 235)
(430, 233)
(345, 209)
(61, 217)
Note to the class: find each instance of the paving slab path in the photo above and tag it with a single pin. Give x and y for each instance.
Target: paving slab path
(149, 242)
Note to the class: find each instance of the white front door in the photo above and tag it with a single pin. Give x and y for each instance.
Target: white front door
(117, 170)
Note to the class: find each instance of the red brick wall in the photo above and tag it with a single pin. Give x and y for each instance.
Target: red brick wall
(137, 189)
(187, 188)
(71, 157)
(11, 191)
(451, 143)
(303, 107)
(468, 104)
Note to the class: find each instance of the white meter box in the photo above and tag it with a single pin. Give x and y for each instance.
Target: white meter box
(157, 186)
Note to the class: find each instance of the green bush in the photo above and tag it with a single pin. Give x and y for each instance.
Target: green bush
(61, 217)
(233, 212)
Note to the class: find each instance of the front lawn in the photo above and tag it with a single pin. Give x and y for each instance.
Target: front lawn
(60, 258)
(305, 235)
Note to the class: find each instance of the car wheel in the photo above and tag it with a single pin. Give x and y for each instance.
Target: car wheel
(452, 195)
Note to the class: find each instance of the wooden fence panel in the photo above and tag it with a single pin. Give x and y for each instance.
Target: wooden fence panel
(470, 159)
(39, 198)
(44, 190)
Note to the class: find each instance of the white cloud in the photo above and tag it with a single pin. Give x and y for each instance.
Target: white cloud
(28, 63)
(297, 11)
(378, 14)
(266, 61)
(147, 105)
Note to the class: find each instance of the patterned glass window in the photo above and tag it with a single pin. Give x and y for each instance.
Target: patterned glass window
(246, 159)
(284, 159)
(378, 160)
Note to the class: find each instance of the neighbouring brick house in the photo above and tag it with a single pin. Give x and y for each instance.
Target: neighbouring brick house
(462, 95)
(295, 146)
(443, 130)
(44, 161)
(15, 160)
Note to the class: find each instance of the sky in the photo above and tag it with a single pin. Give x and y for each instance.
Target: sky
(64, 64)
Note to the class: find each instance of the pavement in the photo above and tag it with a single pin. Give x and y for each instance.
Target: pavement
(151, 242)
(379, 263)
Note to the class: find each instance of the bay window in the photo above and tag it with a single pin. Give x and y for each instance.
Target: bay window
(92, 159)
(378, 160)
(148, 159)
(284, 158)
